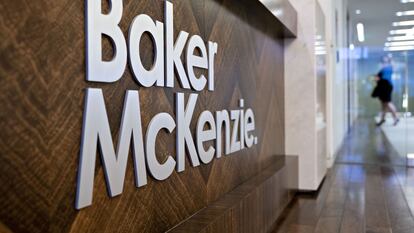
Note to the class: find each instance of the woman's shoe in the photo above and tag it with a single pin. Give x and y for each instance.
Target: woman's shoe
(396, 122)
(380, 123)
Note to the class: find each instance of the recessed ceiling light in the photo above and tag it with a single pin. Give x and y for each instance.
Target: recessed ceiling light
(351, 46)
(403, 23)
(399, 48)
(358, 12)
(402, 31)
(320, 52)
(404, 13)
(399, 43)
(410, 156)
(400, 38)
(319, 43)
(360, 32)
(406, 1)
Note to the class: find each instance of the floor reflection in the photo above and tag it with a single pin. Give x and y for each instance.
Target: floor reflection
(368, 190)
(368, 144)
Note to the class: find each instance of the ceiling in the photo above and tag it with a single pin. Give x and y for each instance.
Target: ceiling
(377, 17)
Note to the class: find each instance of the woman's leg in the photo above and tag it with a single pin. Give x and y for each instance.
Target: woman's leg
(384, 106)
(384, 111)
(393, 110)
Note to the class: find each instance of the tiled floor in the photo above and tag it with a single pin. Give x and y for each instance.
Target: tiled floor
(401, 136)
(369, 190)
(367, 144)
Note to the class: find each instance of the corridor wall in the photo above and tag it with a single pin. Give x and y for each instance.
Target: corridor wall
(43, 89)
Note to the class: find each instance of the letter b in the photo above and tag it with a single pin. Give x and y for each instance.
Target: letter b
(96, 25)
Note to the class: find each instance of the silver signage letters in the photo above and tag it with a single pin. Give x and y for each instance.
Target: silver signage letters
(173, 51)
(232, 130)
(159, 171)
(222, 117)
(96, 128)
(184, 136)
(193, 61)
(97, 24)
(141, 24)
(206, 135)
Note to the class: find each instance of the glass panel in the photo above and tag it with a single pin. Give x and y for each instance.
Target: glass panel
(408, 103)
(408, 93)
(390, 137)
(387, 41)
(320, 60)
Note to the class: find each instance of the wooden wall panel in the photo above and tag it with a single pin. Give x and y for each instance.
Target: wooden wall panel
(253, 206)
(42, 83)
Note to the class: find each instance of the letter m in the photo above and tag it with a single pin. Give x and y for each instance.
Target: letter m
(96, 129)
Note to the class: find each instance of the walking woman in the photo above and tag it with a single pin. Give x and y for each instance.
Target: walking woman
(383, 91)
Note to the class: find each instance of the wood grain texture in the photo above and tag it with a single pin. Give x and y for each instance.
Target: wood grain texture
(253, 206)
(42, 83)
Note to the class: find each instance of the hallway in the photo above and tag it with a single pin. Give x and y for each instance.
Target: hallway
(368, 190)
(367, 144)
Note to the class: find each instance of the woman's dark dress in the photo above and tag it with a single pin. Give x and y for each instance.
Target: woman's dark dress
(383, 90)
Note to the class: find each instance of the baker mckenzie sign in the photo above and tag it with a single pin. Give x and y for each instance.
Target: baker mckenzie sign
(238, 125)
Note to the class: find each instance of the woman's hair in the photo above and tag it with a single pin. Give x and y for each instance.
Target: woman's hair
(386, 60)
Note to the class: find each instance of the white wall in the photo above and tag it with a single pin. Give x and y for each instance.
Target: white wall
(337, 73)
(328, 7)
(300, 89)
(339, 82)
(300, 95)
